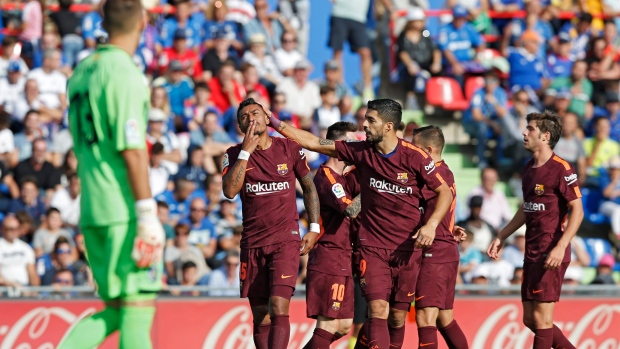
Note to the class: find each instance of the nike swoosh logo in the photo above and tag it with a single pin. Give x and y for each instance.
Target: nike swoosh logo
(426, 344)
(285, 276)
(537, 291)
(410, 294)
(248, 169)
(418, 298)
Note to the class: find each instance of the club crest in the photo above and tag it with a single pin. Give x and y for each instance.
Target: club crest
(539, 189)
(283, 169)
(336, 306)
(402, 177)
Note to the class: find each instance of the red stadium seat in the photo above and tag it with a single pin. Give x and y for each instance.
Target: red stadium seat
(445, 93)
(472, 84)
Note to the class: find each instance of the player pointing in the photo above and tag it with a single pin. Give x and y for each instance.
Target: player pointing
(109, 101)
(392, 171)
(263, 170)
(550, 190)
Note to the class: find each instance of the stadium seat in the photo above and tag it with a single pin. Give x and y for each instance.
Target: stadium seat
(596, 248)
(472, 84)
(591, 199)
(445, 93)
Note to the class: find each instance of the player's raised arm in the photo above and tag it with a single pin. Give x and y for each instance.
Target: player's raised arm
(515, 223)
(232, 180)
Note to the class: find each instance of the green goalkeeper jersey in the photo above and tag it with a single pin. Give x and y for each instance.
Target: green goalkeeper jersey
(108, 106)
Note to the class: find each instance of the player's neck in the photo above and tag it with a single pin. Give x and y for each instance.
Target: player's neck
(264, 142)
(336, 165)
(125, 43)
(541, 156)
(387, 145)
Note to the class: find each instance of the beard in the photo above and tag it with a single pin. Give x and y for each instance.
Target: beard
(374, 138)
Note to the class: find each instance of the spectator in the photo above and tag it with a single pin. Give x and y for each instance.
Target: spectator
(513, 124)
(487, 107)
(27, 225)
(159, 100)
(48, 177)
(159, 175)
(51, 82)
(333, 78)
(580, 33)
(601, 70)
(498, 272)
(515, 251)
(604, 271)
(470, 257)
(302, 96)
(158, 134)
(569, 146)
(7, 56)
(456, 41)
(32, 100)
(580, 88)
(211, 137)
(532, 21)
(29, 200)
(227, 221)
(612, 9)
(182, 19)
(527, 69)
(297, 12)
(561, 102)
(178, 200)
(62, 145)
(62, 257)
(270, 25)
(91, 26)
(579, 259)
(194, 169)
(67, 201)
(45, 237)
(560, 63)
(418, 54)
(495, 209)
(12, 86)
(10, 190)
(328, 113)
(251, 81)
(194, 114)
(190, 277)
(612, 107)
(183, 53)
(348, 23)
(163, 213)
(287, 56)
(68, 167)
(7, 144)
(63, 278)
(217, 23)
(221, 52)
(226, 277)
(182, 252)
(17, 260)
(599, 148)
(264, 62)
(179, 86)
(202, 231)
(32, 31)
(483, 231)
(225, 91)
(69, 28)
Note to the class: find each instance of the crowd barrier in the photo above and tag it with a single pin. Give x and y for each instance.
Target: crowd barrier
(488, 323)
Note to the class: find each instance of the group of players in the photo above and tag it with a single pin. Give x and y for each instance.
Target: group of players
(390, 221)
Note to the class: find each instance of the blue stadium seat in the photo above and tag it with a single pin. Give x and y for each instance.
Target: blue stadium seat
(597, 248)
(592, 199)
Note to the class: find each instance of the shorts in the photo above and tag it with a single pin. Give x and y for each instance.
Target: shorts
(328, 295)
(108, 250)
(540, 284)
(346, 30)
(262, 268)
(436, 285)
(360, 310)
(390, 275)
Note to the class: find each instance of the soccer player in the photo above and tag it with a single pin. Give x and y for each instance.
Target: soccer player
(550, 190)
(329, 282)
(109, 101)
(392, 172)
(434, 299)
(263, 170)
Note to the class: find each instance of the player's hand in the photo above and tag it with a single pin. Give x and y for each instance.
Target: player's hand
(148, 248)
(273, 121)
(250, 141)
(494, 248)
(459, 234)
(555, 257)
(307, 243)
(425, 236)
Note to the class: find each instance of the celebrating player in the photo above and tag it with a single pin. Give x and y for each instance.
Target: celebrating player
(329, 291)
(392, 171)
(124, 239)
(263, 169)
(434, 299)
(550, 190)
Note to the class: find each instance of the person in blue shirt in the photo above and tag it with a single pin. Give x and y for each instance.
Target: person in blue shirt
(612, 112)
(180, 88)
(488, 105)
(1, 27)
(527, 69)
(91, 26)
(504, 6)
(29, 200)
(580, 33)
(202, 230)
(194, 170)
(457, 41)
(216, 23)
(182, 19)
(559, 63)
(178, 200)
(515, 29)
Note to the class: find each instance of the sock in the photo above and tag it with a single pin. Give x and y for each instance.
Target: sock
(543, 338)
(427, 337)
(92, 330)
(362, 337)
(352, 342)
(321, 339)
(135, 327)
(559, 340)
(378, 333)
(261, 336)
(279, 332)
(397, 336)
(454, 336)
(337, 336)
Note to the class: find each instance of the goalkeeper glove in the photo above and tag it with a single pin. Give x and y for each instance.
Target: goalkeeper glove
(148, 246)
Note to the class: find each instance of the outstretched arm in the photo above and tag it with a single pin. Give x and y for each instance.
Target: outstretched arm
(354, 207)
(517, 221)
(311, 202)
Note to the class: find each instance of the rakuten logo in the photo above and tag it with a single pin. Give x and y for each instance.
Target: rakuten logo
(385, 187)
(571, 179)
(533, 207)
(266, 188)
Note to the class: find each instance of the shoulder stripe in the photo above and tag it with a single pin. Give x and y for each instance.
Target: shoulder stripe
(419, 150)
(439, 177)
(562, 161)
(329, 175)
(346, 200)
(577, 192)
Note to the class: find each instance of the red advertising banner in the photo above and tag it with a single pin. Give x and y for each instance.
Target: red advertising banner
(489, 323)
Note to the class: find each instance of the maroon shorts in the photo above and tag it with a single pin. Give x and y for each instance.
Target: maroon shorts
(329, 295)
(540, 284)
(436, 283)
(262, 268)
(390, 275)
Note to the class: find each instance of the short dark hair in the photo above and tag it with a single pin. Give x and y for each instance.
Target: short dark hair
(65, 4)
(30, 112)
(162, 204)
(548, 121)
(51, 210)
(246, 66)
(188, 264)
(121, 16)
(9, 40)
(29, 179)
(202, 86)
(325, 89)
(5, 119)
(339, 130)
(430, 135)
(245, 103)
(72, 175)
(227, 63)
(61, 240)
(157, 149)
(388, 109)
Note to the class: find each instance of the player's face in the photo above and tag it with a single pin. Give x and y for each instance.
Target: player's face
(533, 139)
(254, 113)
(374, 126)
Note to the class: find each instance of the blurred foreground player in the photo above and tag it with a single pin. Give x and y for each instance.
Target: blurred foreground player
(329, 283)
(391, 173)
(434, 299)
(263, 170)
(550, 190)
(109, 101)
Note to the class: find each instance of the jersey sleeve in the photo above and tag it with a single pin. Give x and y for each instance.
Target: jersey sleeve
(569, 184)
(229, 159)
(426, 169)
(352, 152)
(300, 165)
(333, 193)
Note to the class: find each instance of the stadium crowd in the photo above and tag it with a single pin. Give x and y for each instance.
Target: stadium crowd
(202, 58)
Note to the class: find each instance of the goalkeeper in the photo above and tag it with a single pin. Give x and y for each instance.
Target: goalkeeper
(109, 101)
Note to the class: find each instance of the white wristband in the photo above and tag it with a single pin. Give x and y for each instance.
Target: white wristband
(315, 228)
(243, 155)
(146, 208)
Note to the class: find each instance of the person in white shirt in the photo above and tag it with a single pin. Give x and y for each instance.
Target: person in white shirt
(17, 261)
(302, 96)
(32, 100)
(287, 56)
(328, 113)
(226, 276)
(7, 144)
(495, 208)
(159, 175)
(7, 56)
(264, 63)
(157, 133)
(498, 272)
(52, 83)
(12, 86)
(67, 201)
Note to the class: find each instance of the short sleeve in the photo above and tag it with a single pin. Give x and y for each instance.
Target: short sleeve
(37, 240)
(334, 194)
(425, 167)
(30, 257)
(477, 100)
(127, 112)
(569, 184)
(300, 164)
(474, 36)
(229, 158)
(350, 151)
(443, 39)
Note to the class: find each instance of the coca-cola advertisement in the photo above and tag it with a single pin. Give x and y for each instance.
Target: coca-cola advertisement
(489, 323)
